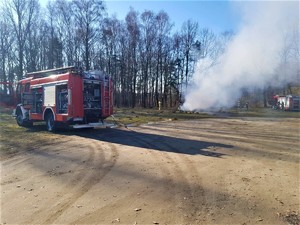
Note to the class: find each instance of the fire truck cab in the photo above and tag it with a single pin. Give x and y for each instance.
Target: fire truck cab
(64, 96)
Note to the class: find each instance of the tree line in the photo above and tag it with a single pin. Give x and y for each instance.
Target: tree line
(147, 58)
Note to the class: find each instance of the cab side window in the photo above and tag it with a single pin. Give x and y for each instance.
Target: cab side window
(26, 95)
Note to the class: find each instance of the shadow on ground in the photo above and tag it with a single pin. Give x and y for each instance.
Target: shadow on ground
(151, 141)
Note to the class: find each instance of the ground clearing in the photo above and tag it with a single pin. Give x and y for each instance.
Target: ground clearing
(200, 171)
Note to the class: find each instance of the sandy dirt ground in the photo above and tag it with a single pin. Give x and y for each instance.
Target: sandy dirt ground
(209, 171)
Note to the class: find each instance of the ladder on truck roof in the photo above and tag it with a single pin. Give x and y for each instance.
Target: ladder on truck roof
(56, 71)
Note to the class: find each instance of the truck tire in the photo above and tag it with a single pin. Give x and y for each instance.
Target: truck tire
(19, 118)
(50, 123)
(21, 122)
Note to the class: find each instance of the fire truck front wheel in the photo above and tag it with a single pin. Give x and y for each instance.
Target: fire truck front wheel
(50, 123)
(21, 121)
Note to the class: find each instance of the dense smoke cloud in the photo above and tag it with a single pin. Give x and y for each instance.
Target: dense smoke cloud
(264, 52)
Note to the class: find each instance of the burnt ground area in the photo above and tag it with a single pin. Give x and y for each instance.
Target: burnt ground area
(207, 171)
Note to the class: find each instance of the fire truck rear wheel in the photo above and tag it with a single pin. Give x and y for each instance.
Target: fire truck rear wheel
(50, 123)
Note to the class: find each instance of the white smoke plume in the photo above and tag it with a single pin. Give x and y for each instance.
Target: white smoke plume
(264, 52)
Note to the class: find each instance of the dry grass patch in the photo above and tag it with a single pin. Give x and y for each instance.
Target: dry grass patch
(15, 139)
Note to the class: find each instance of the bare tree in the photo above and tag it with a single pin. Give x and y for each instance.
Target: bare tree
(133, 29)
(148, 34)
(32, 45)
(88, 14)
(54, 42)
(21, 14)
(178, 59)
(189, 32)
(163, 27)
(6, 51)
(112, 33)
(207, 41)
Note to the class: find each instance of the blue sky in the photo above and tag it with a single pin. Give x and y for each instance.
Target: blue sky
(217, 15)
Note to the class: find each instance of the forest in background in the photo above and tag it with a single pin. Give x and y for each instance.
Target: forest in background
(147, 58)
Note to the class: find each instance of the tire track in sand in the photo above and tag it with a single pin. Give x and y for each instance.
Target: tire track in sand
(184, 191)
(164, 185)
(95, 167)
(184, 179)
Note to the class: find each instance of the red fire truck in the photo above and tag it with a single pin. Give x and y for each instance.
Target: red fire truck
(64, 96)
(286, 102)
